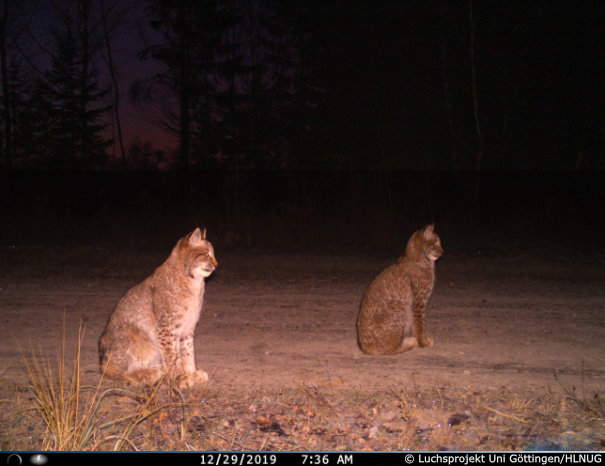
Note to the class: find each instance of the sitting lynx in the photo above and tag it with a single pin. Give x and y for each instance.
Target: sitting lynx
(391, 319)
(150, 331)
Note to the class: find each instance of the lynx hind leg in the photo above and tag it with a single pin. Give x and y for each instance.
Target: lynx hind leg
(409, 341)
(144, 376)
(133, 357)
(382, 332)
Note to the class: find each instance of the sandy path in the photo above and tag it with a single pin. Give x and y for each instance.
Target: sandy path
(277, 320)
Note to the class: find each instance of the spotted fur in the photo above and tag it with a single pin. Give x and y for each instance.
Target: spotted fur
(392, 315)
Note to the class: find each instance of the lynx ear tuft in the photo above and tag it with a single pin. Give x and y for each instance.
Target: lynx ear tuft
(428, 230)
(196, 236)
(204, 234)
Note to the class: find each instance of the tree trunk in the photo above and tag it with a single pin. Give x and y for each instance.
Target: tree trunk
(185, 85)
(115, 85)
(479, 154)
(8, 130)
(447, 95)
(85, 141)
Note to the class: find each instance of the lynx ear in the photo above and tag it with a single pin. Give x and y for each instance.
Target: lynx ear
(196, 236)
(428, 230)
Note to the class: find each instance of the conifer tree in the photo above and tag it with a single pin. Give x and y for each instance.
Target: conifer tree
(77, 105)
(33, 118)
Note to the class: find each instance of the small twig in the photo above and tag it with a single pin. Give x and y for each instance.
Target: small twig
(264, 442)
(509, 416)
(118, 437)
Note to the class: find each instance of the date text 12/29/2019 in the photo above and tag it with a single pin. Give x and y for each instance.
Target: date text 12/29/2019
(238, 459)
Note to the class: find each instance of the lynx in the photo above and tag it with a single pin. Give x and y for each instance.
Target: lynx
(149, 334)
(391, 319)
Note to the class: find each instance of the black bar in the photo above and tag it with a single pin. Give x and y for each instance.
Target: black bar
(19, 458)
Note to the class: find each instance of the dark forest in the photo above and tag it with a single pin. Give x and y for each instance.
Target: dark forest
(380, 116)
(306, 84)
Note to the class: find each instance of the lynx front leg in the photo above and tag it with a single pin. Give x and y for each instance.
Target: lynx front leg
(419, 309)
(187, 354)
(191, 375)
(169, 350)
(174, 364)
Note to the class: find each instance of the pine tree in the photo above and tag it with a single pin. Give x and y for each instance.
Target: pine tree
(199, 60)
(239, 72)
(33, 116)
(76, 136)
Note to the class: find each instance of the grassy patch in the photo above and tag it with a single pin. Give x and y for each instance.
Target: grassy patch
(313, 418)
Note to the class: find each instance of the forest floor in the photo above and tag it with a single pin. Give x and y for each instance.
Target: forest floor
(518, 361)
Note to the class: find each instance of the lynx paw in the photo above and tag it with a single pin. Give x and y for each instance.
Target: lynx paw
(408, 344)
(190, 380)
(427, 343)
(200, 376)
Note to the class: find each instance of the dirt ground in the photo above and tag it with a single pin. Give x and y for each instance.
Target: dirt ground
(531, 322)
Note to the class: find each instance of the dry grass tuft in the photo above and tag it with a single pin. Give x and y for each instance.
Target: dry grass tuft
(73, 413)
(59, 395)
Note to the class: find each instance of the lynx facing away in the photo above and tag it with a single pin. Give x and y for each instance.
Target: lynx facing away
(150, 331)
(391, 319)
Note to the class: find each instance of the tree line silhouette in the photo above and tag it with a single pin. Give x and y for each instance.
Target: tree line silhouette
(273, 84)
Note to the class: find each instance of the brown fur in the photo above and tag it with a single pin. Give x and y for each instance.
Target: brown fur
(150, 332)
(392, 315)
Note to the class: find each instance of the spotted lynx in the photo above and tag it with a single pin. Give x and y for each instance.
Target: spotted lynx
(150, 332)
(391, 319)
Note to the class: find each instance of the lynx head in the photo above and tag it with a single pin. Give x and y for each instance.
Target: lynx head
(198, 254)
(425, 243)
